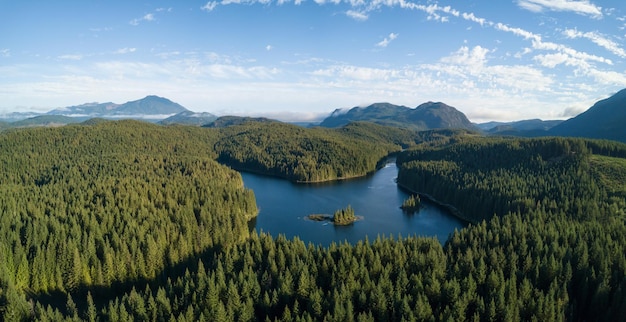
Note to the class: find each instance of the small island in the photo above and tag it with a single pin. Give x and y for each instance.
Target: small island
(412, 204)
(342, 217)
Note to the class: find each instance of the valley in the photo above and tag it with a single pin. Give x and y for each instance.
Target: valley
(128, 220)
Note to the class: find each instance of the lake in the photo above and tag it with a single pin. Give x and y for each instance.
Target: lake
(283, 207)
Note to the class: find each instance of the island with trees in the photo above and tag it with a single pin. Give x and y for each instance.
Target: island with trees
(341, 217)
(412, 204)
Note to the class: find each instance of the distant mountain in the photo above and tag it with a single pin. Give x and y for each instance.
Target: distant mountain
(606, 119)
(45, 120)
(150, 107)
(526, 128)
(427, 116)
(17, 116)
(190, 118)
(225, 121)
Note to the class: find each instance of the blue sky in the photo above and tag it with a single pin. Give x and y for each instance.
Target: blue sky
(299, 60)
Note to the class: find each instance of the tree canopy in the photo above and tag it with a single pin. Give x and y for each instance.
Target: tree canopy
(127, 221)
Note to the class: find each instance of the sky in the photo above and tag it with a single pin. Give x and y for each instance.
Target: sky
(298, 60)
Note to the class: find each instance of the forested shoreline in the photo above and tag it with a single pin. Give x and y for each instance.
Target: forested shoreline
(128, 221)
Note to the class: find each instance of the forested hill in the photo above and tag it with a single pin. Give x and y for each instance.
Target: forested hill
(483, 177)
(86, 207)
(426, 116)
(309, 155)
(551, 222)
(128, 221)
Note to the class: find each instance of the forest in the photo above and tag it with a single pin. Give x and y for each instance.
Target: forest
(129, 221)
(309, 155)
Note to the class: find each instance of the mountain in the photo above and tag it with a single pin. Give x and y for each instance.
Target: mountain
(525, 128)
(190, 118)
(17, 116)
(426, 116)
(45, 120)
(149, 107)
(606, 119)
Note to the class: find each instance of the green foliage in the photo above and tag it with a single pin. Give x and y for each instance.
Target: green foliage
(344, 216)
(412, 204)
(300, 154)
(132, 221)
(86, 206)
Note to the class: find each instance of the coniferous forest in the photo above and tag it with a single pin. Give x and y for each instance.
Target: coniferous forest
(129, 221)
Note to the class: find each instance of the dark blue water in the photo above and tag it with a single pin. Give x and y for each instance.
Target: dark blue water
(283, 207)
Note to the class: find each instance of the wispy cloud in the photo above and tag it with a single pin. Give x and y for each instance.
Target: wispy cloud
(582, 7)
(71, 57)
(598, 39)
(125, 50)
(5, 52)
(385, 42)
(357, 15)
(146, 17)
(209, 6)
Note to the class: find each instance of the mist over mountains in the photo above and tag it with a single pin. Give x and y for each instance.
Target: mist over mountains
(149, 107)
(604, 120)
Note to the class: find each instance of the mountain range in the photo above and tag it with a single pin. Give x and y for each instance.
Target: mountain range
(606, 119)
(150, 107)
(426, 116)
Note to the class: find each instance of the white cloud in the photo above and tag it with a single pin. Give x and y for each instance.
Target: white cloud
(572, 111)
(357, 15)
(125, 50)
(209, 6)
(518, 31)
(598, 39)
(71, 57)
(582, 7)
(471, 17)
(608, 77)
(146, 17)
(474, 58)
(385, 42)
(552, 60)
(5, 52)
(268, 47)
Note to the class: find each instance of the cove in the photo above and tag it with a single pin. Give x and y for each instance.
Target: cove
(284, 205)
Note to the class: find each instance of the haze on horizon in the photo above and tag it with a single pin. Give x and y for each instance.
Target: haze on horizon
(300, 60)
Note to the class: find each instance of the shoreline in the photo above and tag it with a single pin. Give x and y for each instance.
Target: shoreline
(453, 210)
(379, 165)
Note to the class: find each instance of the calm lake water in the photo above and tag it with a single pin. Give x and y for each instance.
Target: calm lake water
(283, 207)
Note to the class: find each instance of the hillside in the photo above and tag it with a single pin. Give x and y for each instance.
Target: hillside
(424, 117)
(45, 120)
(189, 118)
(126, 220)
(524, 128)
(604, 120)
(226, 121)
(308, 154)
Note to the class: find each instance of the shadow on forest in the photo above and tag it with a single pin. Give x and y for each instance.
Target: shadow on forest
(101, 294)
